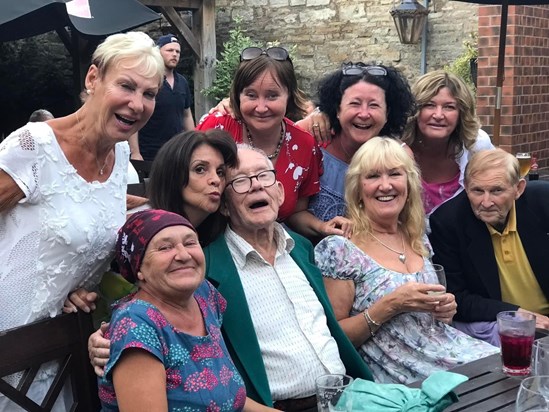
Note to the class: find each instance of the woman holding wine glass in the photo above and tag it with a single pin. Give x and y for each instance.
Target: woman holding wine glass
(376, 279)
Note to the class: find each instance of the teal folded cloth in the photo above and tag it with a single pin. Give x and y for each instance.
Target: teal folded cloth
(435, 395)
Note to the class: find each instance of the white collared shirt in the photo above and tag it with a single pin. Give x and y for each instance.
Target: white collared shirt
(289, 321)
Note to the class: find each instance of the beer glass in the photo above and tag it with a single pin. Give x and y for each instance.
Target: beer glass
(525, 162)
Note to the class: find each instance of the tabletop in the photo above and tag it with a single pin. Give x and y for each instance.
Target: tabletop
(488, 388)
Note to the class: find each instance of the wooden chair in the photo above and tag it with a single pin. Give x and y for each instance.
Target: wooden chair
(64, 339)
(143, 168)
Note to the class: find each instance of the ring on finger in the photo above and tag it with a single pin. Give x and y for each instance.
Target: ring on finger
(316, 125)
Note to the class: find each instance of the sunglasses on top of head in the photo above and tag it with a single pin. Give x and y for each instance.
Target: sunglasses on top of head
(276, 53)
(358, 69)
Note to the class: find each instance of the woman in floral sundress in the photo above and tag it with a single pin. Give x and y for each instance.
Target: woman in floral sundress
(379, 280)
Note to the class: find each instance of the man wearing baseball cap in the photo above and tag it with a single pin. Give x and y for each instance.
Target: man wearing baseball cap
(172, 113)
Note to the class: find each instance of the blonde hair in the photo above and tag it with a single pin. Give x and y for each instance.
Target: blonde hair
(386, 153)
(131, 50)
(425, 88)
(491, 159)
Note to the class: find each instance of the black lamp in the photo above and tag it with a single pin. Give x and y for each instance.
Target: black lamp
(410, 18)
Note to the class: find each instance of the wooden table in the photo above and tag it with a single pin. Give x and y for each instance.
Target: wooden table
(487, 389)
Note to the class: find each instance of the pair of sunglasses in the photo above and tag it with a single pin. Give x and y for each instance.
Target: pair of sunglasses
(360, 68)
(276, 53)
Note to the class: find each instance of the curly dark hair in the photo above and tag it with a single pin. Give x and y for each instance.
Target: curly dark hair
(398, 96)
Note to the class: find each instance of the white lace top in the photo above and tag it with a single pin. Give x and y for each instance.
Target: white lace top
(59, 237)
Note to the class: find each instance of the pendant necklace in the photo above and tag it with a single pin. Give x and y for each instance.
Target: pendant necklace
(401, 255)
(99, 167)
(278, 146)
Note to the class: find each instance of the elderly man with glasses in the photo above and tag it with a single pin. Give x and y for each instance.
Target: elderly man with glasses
(279, 326)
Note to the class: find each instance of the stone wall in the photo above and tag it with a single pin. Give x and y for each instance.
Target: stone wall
(329, 32)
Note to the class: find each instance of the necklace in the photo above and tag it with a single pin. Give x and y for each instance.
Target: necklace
(401, 255)
(278, 146)
(99, 167)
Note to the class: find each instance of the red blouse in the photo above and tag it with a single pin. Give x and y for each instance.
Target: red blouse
(299, 164)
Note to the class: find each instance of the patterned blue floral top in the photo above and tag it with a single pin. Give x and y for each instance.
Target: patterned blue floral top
(404, 349)
(200, 375)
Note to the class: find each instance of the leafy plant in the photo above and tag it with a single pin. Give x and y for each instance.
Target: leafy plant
(462, 65)
(226, 66)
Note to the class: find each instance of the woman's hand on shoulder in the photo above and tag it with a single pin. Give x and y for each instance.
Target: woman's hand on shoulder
(338, 225)
(446, 309)
(318, 124)
(414, 297)
(80, 299)
(223, 107)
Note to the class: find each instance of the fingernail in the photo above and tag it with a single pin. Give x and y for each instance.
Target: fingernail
(87, 310)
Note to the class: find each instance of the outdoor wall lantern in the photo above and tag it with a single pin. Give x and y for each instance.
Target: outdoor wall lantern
(410, 17)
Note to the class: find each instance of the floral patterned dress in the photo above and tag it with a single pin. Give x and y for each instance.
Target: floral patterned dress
(404, 349)
(200, 375)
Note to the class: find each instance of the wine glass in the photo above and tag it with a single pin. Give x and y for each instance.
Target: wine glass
(533, 395)
(525, 162)
(435, 275)
(540, 355)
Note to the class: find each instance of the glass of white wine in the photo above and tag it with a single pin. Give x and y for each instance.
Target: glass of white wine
(525, 162)
(433, 276)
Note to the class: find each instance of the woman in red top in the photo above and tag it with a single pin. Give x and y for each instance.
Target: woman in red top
(263, 93)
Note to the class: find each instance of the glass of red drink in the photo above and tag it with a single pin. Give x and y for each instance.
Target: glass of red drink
(516, 332)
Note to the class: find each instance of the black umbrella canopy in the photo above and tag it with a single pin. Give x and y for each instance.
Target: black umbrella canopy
(26, 18)
(501, 52)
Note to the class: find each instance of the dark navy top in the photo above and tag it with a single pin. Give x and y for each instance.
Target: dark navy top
(167, 119)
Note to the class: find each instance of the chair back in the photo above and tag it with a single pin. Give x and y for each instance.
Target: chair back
(143, 168)
(64, 339)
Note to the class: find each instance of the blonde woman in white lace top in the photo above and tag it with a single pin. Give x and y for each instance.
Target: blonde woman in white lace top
(63, 186)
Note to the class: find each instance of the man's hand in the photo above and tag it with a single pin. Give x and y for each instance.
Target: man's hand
(542, 322)
(99, 349)
(80, 299)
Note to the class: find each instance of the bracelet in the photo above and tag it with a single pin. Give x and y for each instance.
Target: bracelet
(372, 325)
(368, 318)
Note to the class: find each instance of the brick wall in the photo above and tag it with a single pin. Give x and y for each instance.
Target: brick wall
(525, 97)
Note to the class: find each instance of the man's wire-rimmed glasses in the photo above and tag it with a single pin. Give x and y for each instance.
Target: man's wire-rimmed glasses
(243, 184)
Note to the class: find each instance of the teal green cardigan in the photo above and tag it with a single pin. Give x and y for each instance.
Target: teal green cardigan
(238, 329)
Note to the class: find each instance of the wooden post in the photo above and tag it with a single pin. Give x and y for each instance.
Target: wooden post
(204, 73)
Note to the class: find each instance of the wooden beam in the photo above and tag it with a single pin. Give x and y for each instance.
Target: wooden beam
(180, 4)
(204, 74)
(177, 22)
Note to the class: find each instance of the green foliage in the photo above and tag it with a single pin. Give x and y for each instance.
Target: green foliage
(230, 58)
(226, 66)
(462, 65)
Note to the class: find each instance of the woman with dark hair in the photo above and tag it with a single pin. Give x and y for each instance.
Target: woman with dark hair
(361, 101)
(188, 178)
(264, 93)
